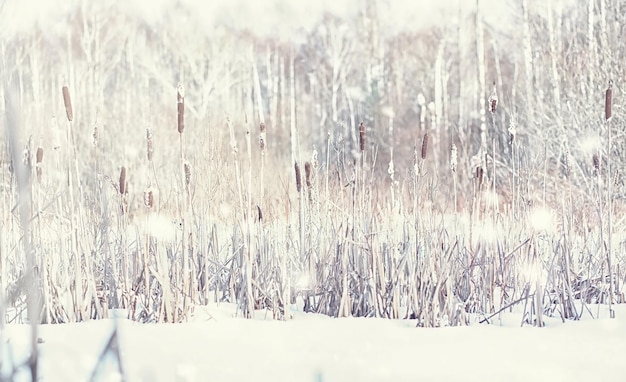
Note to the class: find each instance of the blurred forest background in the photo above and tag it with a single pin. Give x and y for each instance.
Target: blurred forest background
(550, 66)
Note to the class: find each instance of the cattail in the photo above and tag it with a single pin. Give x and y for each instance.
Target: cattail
(148, 198)
(596, 164)
(425, 146)
(298, 178)
(453, 157)
(608, 101)
(39, 157)
(27, 157)
(308, 174)
(512, 131)
(314, 161)
(567, 163)
(123, 185)
(259, 213)
(262, 136)
(362, 136)
(149, 144)
(94, 136)
(493, 100)
(180, 90)
(68, 103)
(187, 169)
(479, 176)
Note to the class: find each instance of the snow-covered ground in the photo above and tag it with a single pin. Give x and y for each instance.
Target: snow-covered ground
(218, 346)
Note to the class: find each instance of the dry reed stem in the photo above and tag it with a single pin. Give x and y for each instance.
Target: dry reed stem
(67, 101)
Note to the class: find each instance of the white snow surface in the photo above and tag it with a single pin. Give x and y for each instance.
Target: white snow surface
(216, 345)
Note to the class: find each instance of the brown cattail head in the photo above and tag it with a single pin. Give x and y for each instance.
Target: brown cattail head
(608, 101)
(180, 93)
(68, 103)
(148, 198)
(123, 185)
(308, 174)
(187, 168)
(262, 136)
(298, 177)
(479, 176)
(39, 157)
(259, 213)
(425, 146)
(149, 144)
(493, 100)
(596, 164)
(362, 136)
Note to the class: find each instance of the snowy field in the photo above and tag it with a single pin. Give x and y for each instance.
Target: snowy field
(217, 346)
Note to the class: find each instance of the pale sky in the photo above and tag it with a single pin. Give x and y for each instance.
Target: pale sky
(268, 17)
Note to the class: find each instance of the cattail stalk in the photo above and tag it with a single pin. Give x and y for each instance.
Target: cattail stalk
(123, 190)
(71, 157)
(262, 127)
(248, 250)
(608, 104)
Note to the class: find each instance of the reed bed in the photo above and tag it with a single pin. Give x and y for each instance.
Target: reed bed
(354, 252)
(158, 208)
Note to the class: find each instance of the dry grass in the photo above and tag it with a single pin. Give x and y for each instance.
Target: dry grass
(442, 233)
